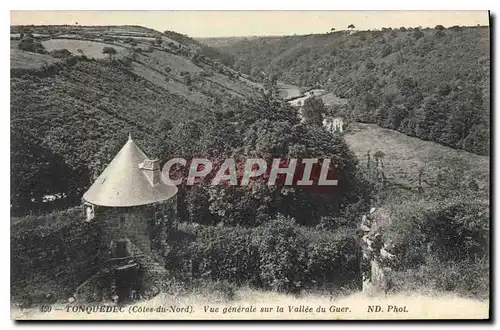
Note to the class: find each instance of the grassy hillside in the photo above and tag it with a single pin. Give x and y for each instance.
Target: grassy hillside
(89, 48)
(431, 83)
(20, 59)
(221, 42)
(404, 156)
(83, 118)
(72, 107)
(438, 198)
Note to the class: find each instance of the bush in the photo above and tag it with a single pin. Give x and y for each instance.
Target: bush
(60, 53)
(109, 51)
(464, 278)
(31, 45)
(226, 253)
(439, 33)
(66, 256)
(279, 255)
(333, 258)
(453, 230)
(283, 255)
(417, 33)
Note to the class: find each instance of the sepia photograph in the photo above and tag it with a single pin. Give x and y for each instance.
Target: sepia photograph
(250, 165)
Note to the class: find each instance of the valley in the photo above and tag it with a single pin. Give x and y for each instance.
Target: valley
(415, 145)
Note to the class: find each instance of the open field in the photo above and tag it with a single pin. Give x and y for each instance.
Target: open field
(89, 48)
(355, 307)
(171, 85)
(331, 99)
(288, 91)
(162, 60)
(20, 59)
(405, 155)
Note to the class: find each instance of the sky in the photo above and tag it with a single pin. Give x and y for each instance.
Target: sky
(250, 23)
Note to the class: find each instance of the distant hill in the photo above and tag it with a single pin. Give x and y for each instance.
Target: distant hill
(221, 42)
(429, 83)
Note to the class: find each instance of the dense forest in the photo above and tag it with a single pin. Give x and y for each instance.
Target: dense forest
(428, 83)
(203, 50)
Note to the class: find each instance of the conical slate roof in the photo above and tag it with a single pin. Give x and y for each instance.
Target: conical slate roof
(124, 184)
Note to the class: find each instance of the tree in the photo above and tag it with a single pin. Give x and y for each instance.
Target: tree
(439, 33)
(455, 28)
(417, 34)
(332, 29)
(30, 44)
(110, 51)
(313, 111)
(439, 27)
(351, 26)
(271, 83)
(379, 156)
(403, 29)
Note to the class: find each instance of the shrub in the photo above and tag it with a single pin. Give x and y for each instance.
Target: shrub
(226, 253)
(30, 44)
(455, 28)
(60, 53)
(109, 51)
(333, 258)
(283, 255)
(417, 33)
(386, 50)
(439, 33)
(279, 255)
(72, 60)
(465, 278)
(453, 230)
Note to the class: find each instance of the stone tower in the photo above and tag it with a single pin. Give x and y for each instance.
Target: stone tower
(128, 200)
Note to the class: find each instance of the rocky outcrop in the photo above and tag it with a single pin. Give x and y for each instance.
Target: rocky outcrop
(376, 259)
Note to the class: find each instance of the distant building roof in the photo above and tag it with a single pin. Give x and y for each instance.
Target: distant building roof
(123, 183)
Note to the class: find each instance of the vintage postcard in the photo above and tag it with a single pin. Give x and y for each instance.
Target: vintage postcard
(250, 165)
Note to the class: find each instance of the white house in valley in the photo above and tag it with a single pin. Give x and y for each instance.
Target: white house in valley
(333, 124)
